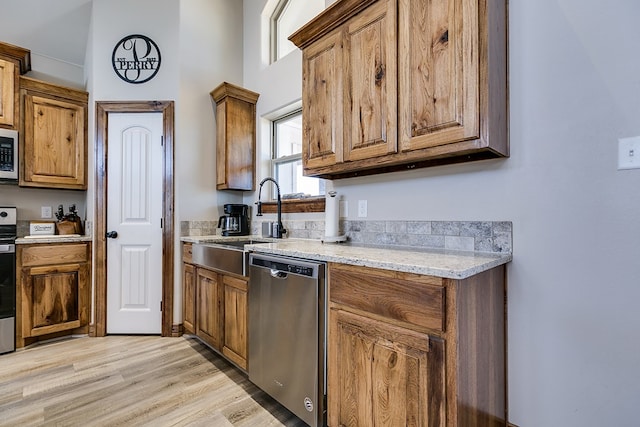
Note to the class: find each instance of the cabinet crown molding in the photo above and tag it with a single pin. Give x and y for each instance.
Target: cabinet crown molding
(22, 55)
(331, 18)
(228, 89)
(53, 89)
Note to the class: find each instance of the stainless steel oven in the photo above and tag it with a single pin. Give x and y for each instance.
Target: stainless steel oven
(7, 279)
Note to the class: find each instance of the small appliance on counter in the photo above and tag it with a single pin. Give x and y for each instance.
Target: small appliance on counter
(236, 220)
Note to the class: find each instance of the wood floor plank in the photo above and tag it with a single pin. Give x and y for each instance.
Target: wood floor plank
(131, 381)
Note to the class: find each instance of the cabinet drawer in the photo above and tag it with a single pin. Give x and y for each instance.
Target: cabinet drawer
(187, 253)
(54, 254)
(408, 298)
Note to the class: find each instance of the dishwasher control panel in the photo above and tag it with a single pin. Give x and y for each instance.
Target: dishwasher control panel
(290, 265)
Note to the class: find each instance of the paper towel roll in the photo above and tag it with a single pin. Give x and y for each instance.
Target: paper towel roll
(332, 215)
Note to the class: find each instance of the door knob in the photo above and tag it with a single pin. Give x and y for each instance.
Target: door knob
(111, 234)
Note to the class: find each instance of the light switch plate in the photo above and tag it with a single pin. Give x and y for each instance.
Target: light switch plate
(629, 153)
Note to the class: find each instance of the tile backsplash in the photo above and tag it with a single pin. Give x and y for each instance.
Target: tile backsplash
(481, 236)
(22, 228)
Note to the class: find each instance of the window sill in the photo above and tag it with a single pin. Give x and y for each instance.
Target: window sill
(311, 204)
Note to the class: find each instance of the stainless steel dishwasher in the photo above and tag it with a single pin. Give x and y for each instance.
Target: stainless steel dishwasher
(287, 330)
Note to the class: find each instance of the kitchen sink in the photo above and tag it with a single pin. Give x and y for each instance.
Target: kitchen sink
(228, 256)
(240, 243)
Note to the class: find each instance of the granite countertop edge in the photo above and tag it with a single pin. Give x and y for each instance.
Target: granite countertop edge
(433, 262)
(58, 239)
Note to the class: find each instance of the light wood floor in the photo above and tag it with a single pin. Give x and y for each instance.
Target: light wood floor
(130, 381)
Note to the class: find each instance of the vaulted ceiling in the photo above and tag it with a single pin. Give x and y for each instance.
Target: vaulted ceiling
(53, 28)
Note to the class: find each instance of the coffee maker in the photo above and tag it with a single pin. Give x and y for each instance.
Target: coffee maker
(236, 220)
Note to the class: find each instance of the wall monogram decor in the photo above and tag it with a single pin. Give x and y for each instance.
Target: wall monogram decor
(136, 59)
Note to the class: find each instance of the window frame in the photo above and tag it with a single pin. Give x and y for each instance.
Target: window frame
(298, 205)
(273, 29)
(275, 161)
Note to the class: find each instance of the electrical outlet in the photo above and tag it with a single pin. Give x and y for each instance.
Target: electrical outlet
(45, 212)
(362, 208)
(629, 153)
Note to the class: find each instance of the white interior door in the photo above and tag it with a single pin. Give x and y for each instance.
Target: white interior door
(134, 212)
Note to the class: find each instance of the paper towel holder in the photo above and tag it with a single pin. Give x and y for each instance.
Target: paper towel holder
(334, 239)
(332, 217)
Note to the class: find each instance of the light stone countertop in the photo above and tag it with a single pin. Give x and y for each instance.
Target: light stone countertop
(433, 262)
(58, 238)
(222, 239)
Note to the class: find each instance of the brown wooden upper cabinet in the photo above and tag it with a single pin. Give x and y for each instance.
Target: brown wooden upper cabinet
(235, 137)
(397, 84)
(53, 141)
(14, 61)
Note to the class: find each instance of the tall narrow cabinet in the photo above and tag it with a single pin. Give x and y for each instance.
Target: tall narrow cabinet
(235, 137)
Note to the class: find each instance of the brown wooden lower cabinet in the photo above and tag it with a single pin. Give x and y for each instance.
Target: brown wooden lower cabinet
(208, 315)
(235, 320)
(385, 373)
(189, 298)
(54, 290)
(407, 349)
(215, 309)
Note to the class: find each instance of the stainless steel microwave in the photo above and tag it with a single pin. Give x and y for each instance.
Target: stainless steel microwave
(8, 154)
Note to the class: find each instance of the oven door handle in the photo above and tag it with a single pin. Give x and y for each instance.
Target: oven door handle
(7, 248)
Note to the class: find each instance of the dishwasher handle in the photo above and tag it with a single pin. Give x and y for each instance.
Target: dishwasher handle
(281, 267)
(278, 274)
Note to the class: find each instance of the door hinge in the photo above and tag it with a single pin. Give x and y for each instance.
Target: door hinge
(162, 140)
(161, 222)
(161, 306)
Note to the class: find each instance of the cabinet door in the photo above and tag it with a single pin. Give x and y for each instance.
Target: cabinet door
(370, 89)
(235, 320)
(54, 143)
(322, 109)
(383, 373)
(438, 67)
(235, 137)
(208, 315)
(7, 92)
(54, 298)
(189, 298)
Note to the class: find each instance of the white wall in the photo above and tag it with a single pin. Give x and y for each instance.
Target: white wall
(574, 284)
(200, 43)
(210, 53)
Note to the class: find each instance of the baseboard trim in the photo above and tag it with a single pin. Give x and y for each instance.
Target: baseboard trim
(177, 330)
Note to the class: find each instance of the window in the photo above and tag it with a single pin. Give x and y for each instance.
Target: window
(287, 17)
(286, 149)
